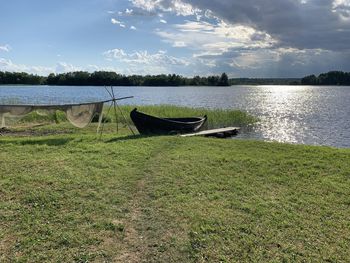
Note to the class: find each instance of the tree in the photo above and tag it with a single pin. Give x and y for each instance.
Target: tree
(223, 81)
(309, 80)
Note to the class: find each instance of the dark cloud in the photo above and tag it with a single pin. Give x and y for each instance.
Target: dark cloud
(312, 36)
(290, 65)
(312, 24)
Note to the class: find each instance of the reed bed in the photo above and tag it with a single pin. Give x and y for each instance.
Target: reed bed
(216, 117)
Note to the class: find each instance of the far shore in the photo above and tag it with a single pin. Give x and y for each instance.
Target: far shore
(104, 78)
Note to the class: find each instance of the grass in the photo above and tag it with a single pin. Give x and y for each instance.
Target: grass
(216, 117)
(73, 198)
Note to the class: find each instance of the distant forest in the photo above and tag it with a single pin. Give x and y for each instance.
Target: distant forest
(106, 78)
(265, 81)
(331, 78)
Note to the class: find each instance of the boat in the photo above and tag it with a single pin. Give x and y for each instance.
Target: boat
(147, 124)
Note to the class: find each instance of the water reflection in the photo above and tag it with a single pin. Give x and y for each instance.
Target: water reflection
(294, 114)
(283, 112)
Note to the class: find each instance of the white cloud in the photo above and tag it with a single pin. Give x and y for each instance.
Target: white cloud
(143, 57)
(114, 53)
(215, 38)
(183, 9)
(133, 28)
(63, 67)
(5, 48)
(128, 11)
(308, 24)
(92, 68)
(143, 62)
(117, 22)
(8, 65)
(163, 21)
(254, 59)
(148, 5)
(337, 3)
(179, 44)
(265, 37)
(342, 7)
(176, 6)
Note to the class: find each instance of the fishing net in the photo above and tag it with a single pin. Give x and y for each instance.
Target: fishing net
(80, 115)
(43, 112)
(14, 113)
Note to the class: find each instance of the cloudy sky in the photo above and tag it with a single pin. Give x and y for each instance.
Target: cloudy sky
(250, 38)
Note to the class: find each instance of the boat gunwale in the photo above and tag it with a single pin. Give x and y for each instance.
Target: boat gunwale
(200, 119)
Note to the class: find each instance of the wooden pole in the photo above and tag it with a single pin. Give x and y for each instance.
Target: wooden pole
(103, 122)
(126, 121)
(115, 106)
(115, 110)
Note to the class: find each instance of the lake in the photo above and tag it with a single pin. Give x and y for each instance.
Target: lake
(315, 115)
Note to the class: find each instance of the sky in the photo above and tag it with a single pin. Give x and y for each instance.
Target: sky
(250, 38)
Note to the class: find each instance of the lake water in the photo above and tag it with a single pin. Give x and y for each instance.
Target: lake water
(315, 115)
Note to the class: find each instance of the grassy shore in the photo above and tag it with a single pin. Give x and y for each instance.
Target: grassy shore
(216, 117)
(74, 198)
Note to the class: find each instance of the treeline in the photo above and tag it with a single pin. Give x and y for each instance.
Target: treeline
(105, 78)
(101, 78)
(330, 78)
(21, 78)
(265, 81)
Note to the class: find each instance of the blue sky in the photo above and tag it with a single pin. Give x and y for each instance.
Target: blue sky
(252, 38)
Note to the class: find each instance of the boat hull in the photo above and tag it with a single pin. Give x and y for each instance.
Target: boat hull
(147, 124)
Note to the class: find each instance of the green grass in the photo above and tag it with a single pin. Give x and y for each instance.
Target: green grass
(216, 117)
(73, 198)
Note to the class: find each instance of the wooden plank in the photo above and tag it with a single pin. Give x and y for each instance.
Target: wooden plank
(213, 132)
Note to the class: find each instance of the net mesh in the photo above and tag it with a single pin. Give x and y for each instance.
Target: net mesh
(78, 115)
(81, 115)
(14, 113)
(43, 112)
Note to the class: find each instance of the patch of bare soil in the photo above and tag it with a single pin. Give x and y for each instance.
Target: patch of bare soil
(135, 245)
(31, 132)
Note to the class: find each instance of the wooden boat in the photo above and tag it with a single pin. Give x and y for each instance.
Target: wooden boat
(147, 124)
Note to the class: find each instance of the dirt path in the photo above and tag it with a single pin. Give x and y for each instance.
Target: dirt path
(31, 131)
(134, 243)
(138, 228)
